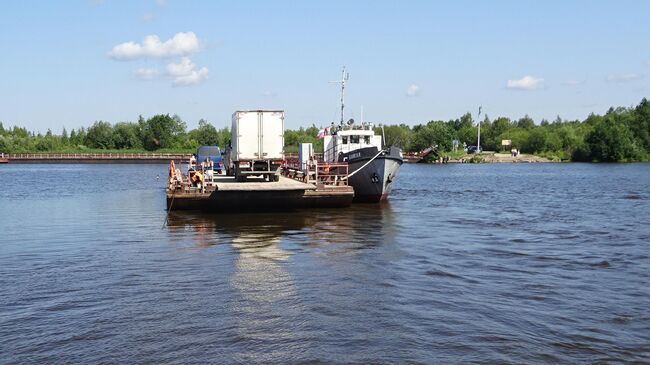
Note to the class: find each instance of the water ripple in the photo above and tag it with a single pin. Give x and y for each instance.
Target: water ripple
(465, 264)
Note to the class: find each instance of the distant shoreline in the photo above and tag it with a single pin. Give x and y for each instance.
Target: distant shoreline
(490, 157)
(161, 158)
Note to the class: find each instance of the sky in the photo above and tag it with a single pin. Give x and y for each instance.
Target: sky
(70, 63)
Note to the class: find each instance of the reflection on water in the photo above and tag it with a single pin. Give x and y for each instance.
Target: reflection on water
(362, 226)
(271, 307)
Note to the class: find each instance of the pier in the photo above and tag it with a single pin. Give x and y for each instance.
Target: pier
(417, 157)
(125, 158)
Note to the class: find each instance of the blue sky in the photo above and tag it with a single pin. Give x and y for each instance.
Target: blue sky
(70, 63)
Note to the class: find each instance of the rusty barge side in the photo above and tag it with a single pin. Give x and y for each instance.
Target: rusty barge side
(95, 158)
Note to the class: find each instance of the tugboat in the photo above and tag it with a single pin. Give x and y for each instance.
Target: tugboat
(372, 167)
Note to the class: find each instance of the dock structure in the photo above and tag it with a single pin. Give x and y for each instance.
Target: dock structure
(96, 158)
(417, 157)
(224, 194)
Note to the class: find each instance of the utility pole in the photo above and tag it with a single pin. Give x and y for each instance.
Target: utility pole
(478, 147)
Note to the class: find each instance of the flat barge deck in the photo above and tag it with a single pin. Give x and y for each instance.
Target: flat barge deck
(227, 195)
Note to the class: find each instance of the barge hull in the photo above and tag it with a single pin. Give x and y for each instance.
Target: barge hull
(287, 194)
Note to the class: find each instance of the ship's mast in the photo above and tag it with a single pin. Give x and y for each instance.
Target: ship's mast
(344, 77)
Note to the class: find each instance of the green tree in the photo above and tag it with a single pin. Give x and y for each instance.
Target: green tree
(100, 135)
(640, 126)
(490, 140)
(610, 141)
(468, 135)
(303, 135)
(20, 132)
(518, 137)
(81, 137)
(5, 144)
(206, 134)
(537, 140)
(396, 135)
(162, 131)
(126, 136)
(465, 121)
(45, 144)
(433, 133)
(223, 137)
(526, 122)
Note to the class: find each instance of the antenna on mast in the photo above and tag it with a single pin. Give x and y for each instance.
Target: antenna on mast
(344, 77)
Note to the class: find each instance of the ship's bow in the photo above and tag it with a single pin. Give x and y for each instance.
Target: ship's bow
(374, 182)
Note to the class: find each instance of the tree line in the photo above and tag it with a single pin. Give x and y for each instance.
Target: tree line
(160, 132)
(621, 134)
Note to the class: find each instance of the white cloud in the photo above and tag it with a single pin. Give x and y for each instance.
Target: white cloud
(624, 78)
(185, 73)
(146, 73)
(412, 90)
(573, 82)
(181, 44)
(526, 83)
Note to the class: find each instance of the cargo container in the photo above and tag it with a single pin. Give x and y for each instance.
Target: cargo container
(257, 144)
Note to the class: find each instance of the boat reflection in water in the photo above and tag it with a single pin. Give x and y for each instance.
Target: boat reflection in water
(275, 264)
(263, 234)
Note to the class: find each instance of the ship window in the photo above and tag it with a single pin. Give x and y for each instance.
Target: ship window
(366, 139)
(354, 139)
(345, 139)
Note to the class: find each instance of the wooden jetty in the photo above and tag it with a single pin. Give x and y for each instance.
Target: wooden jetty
(124, 158)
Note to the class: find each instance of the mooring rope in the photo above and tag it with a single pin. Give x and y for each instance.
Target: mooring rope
(364, 165)
(169, 210)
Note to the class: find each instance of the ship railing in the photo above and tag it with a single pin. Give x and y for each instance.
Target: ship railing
(96, 156)
(317, 172)
(335, 174)
(295, 156)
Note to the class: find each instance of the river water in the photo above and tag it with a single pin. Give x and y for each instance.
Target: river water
(522, 263)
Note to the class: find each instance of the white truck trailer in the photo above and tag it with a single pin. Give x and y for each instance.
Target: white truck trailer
(257, 144)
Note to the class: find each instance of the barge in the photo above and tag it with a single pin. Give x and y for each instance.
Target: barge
(324, 186)
(256, 175)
